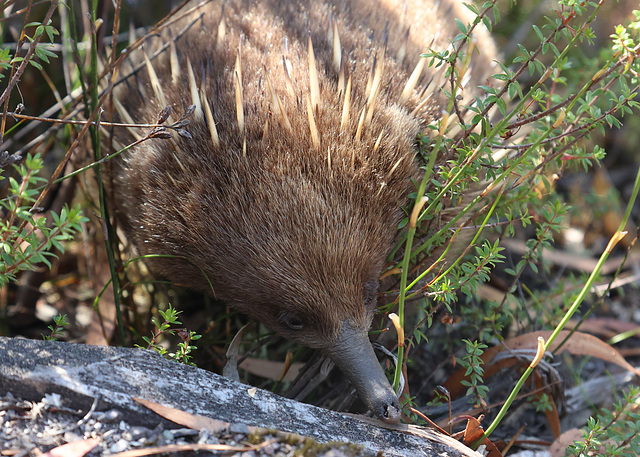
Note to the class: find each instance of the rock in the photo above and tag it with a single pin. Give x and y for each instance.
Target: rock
(113, 376)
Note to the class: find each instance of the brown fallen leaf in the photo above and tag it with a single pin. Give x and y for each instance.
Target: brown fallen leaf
(174, 448)
(75, 449)
(196, 422)
(192, 421)
(579, 344)
(559, 446)
(474, 432)
(629, 352)
(604, 327)
(585, 344)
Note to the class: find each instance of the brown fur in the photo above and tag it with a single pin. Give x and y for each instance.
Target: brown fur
(286, 229)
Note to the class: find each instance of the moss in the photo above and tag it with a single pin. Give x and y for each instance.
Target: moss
(311, 448)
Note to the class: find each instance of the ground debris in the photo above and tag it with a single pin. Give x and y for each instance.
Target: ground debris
(28, 428)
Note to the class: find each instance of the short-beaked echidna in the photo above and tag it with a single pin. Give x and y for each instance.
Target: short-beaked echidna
(287, 195)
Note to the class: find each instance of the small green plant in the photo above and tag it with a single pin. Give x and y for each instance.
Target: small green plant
(42, 50)
(60, 321)
(18, 63)
(613, 433)
(5, 60)
(541, 403)
(27, 238)
(472, 362)
(169, 318)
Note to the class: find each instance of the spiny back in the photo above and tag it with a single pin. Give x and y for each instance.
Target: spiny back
(288, 195)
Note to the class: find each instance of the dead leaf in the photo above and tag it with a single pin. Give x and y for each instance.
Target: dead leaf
(585, 344)
(192, 421)
(473, 432)
(196, 422)
(175, 448)
(629, 352)
(604, 327)
(75, 449)
(579, 344)
(560, 445)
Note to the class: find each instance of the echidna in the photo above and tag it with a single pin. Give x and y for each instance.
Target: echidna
(287, 194)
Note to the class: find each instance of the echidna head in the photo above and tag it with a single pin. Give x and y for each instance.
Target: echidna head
(330, 312)
(307, 266)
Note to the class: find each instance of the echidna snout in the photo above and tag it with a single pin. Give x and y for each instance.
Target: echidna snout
(354, 355)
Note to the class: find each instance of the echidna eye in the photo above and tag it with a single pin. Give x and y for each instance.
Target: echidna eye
(291, 320)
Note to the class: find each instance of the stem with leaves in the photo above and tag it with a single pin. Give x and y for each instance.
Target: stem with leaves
(620, 233)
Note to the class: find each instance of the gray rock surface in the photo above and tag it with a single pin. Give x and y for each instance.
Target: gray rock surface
(80, 374)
